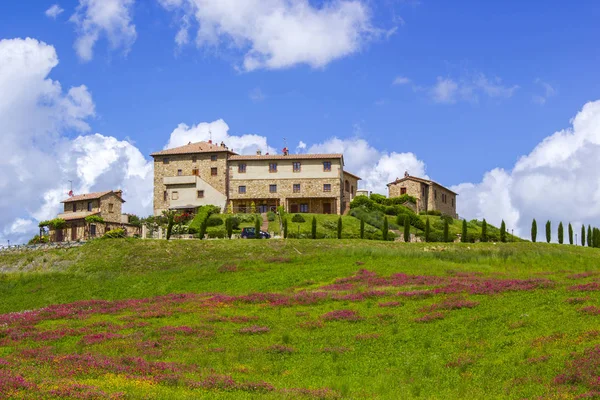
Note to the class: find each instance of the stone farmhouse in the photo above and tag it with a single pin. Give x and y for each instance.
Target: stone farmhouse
(431, 196)
(205, 173)
(106, 205)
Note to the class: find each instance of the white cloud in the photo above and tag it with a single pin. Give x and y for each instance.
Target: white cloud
(301, 146)
(110, 18)
(548, 91)
(559, 181)
(35, 115)
(449, 91)
(444, 91)
(257, 95)
(376, 168)
(401, 80)
(277, 34)
(54, 11)
(218, 131)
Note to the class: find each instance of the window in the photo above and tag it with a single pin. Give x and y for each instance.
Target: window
(179, 172)
(272, 188)
(166, 160)
(296, 166)
(196, 172)
(273, 167)
(194, 159)
(327, 187)
(111, 207)
(92, 230)
(242, 168)
(242, 189)
(74, 207)
(165, 196)
(352, 190)
(89, 206)
(175, 195)
(213, 157)
(296, 188)
(200, 194)
(423, 190)
(347, 186)
(435, 194)
(453, 202)
(213, 171)
(303, 208)
(402, 190)
(327, 166)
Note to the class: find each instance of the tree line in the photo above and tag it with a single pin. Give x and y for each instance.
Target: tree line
(589, 237)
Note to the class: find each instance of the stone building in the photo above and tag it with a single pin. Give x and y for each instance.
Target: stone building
(204, 173)
(431, 196)
(106, 205)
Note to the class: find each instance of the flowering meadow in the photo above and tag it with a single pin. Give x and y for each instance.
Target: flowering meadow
(300, 320)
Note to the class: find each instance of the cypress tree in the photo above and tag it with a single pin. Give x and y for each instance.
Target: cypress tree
(362, 228)
(561, 233)
(464, 235)
(339, 228)
(285, 227)
(385, 229)
(406, 229)
(257, 227)
(484, 237)
(596, 237)
(583, 235)
(229, 227)
(427, 229)
(503, 232)
(446, 234)
(314, 228)
(548, 231)
(570, 233)
(589, 236)
(534, 231)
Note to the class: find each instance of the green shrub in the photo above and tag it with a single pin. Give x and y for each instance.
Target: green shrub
(214, 220)
(229, 227)
(202, 214)
(115, 234)
(406, 229)
(37, 239)
(446, 231)
(385, 229)
(465, 233)
(217, 234)
(434, 212)
(339, 228)
(503, 232)
(94, 219)
(298, 218)
(285, 227)
(271, 216)
(534, 231)
(362, 229)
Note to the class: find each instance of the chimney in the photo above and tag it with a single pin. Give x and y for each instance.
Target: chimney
(119, 193)
(258, 152)
(209, 141)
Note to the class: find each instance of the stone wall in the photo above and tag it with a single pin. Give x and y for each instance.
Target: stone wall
(437, 203)
(309, 188)
(413, 188)
(186, 164)
(115, 214)
(81, 206)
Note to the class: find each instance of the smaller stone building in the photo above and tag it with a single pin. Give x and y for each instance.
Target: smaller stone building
(430, 195)
(106, 205)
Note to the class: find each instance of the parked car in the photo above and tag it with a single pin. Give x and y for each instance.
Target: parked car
(250, 233)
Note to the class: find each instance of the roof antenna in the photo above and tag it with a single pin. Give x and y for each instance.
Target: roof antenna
(71, 191)
(209, 135)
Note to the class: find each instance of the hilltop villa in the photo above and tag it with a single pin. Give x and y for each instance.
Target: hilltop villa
(431, 196)
(204, 173)
(106, 205)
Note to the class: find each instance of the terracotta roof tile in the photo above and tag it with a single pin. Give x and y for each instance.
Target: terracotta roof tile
(192, 148)
(76, 215)
(288, 157)
(351, 174)
(89, 196)
(426, 181)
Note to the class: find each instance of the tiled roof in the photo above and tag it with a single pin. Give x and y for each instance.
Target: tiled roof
(192, 148)
(77, 215)
(425, 181)
(288, 157)
(351, 174)
(90, 196)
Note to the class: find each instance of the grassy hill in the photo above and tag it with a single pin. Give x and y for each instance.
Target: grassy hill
(300, 319)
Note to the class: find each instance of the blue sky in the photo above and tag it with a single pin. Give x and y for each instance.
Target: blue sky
(479, 84)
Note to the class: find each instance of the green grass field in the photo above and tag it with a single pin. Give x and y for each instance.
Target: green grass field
(294, 319)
